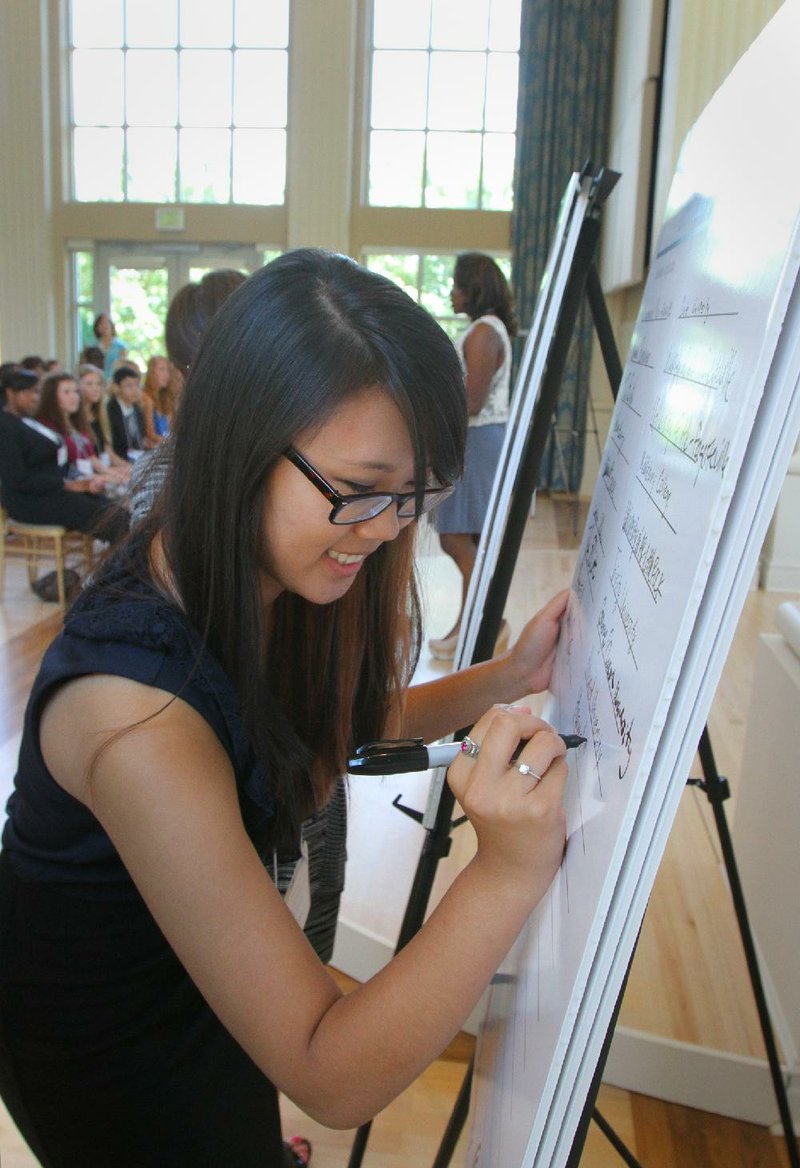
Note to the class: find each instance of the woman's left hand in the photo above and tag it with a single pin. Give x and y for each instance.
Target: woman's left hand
(533, 654)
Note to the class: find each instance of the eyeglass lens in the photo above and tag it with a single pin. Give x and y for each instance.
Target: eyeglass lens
(352, 511)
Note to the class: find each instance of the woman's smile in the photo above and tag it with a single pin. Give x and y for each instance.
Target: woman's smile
(364, 446)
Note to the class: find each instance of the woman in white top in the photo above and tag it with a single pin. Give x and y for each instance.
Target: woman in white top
(481, 291)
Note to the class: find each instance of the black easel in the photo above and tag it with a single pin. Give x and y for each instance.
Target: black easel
(590, 284)
(717, 790)
(437, 840)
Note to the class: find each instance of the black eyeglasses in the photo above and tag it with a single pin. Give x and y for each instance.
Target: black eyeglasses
(360, 507)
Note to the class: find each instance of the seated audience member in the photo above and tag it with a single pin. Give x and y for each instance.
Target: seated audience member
(157, 405)
(60, 411)
(34, 466)
(190, 312)
(92, 355)
(92, 388)
(125, 415)
(112, 348)
(192, 308)
(34, 364)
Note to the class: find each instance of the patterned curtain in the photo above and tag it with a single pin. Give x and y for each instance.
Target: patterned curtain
(563, 115)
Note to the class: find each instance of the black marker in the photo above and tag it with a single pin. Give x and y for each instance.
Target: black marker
(400, 756)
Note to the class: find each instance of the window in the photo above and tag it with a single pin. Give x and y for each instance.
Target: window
(427, 278)
(443, 103)
(83, 298)
(179, 100)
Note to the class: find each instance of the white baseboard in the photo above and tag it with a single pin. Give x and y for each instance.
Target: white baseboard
(780, 577)
(360, 954)
(694, 1076)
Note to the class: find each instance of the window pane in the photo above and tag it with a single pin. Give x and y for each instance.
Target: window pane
(96, 23)
(437, 279)
(258, 23)
(205, 161)
(504, 25)
(152, 87)
(458, 81)
(395, 168)
(401, 269)
(97, 159)
(401, 26)
(259, 166)
(86, 335)
(207, 24)
(84, 275)
(97, 90)
(501, 92)
(399, 90)
(453, 170)
(139, 299)
(472, 81)
(498, 171)
(151, 23)
(456, 25)
(259, 97)
(152, 165)
(205, 88)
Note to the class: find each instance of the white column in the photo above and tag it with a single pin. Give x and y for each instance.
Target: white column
(321, 102)
(27, 272)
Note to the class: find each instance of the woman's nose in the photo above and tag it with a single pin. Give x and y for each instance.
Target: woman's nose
(384, 526)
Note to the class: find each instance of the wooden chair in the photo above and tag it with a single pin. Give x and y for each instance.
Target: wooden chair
(36, 541)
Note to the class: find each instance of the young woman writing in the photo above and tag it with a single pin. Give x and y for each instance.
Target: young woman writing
(202, 701)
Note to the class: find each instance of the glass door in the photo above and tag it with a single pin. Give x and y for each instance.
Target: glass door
(134, 284)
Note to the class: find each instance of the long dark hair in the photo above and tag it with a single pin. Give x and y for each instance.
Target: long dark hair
(485, 288)
(280, 357)
(51, 412)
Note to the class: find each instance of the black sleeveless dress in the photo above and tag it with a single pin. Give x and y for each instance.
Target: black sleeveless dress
(109, 1055)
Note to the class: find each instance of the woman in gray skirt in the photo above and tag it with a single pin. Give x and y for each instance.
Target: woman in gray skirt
(481, 291)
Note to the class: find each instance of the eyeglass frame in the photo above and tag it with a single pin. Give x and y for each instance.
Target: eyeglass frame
(339, 501)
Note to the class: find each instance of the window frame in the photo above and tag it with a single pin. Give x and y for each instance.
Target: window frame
(367, 47)
(391, 229)
(69, 125)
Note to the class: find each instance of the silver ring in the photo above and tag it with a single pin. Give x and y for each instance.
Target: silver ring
(470, 747)
(524, 769)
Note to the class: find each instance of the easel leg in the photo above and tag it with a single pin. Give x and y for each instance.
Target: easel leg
(457, 1120)
(590, 1111)
(614, 1140)
(716, 790)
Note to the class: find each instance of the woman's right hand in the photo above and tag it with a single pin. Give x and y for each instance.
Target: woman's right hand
(89, 486)
(518, 817)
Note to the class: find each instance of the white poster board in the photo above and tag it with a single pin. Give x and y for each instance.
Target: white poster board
(702, 433)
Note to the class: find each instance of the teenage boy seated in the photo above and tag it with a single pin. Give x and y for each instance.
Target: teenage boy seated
(125, 415)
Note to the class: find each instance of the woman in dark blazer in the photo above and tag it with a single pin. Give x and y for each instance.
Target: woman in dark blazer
(33, 470)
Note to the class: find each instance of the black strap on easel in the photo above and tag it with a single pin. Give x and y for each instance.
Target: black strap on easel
(437, 840)
(717, 790)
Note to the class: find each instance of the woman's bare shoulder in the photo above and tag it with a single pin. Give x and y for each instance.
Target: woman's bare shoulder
(97, 715)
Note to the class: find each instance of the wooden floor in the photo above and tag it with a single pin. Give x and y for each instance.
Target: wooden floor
(689, 936)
